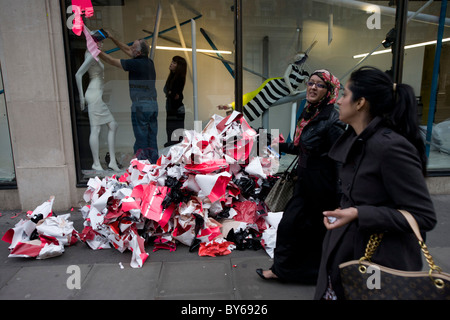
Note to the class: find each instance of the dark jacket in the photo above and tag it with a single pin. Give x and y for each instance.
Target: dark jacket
(381, 172)
(317, 138)
(174, 87)
(315, 191)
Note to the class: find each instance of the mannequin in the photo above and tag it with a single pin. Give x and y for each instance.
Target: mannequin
(99, 113)
(273, 89)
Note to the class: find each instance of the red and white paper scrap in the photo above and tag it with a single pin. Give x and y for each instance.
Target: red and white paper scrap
(44, 238)
(121, 212)
(189, 196)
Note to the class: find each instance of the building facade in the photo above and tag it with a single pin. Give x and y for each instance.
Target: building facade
(45, 135)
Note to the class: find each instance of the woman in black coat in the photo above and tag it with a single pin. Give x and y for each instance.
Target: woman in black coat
(175, 112)
(383, 167)
(300, 232)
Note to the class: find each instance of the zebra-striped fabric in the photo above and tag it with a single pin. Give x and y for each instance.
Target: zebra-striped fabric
(274, 90)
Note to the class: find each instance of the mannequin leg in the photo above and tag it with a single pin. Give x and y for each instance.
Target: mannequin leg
(94, 144)
(112, 130)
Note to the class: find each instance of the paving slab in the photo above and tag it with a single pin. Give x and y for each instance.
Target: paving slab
(112, 282)
(249, 286)
(196, 280)
(6, 273)
(40, 283)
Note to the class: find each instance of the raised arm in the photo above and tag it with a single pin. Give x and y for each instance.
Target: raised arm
(122, 46)
(110, 60)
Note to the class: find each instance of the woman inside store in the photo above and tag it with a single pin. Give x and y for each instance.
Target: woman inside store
(300, 232)
(383, 164)
(175, 112)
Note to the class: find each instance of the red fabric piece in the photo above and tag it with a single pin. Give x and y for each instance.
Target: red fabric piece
(214, 248)
(207, 166)
(27, 249)
(246, 211)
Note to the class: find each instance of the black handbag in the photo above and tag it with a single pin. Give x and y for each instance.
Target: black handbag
(283, 189)
(365, 280)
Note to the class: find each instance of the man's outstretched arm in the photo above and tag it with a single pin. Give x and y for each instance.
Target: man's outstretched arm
(122, 46)
(110, 60)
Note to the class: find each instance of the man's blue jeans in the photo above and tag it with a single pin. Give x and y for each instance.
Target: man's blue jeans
(144, 118)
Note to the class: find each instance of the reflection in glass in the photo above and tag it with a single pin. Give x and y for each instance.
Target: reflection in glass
(273, 32)
(7, 171)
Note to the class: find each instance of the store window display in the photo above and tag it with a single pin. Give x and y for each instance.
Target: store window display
(339, 29)
(273, 89)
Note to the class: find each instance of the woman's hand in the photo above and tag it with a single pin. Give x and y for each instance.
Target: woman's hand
(342, 217)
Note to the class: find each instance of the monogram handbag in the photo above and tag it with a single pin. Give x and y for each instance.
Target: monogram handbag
(365, 280)
(283, 189)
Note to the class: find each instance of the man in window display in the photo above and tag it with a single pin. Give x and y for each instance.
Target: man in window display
(99, 113)
(144, 107)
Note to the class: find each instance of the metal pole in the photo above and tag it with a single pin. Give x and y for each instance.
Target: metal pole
(434, 81)
(238, 55)
(398, 49)
(265, 115)
(156, 32)
(180, 35)
(211, 43)
(194, 68)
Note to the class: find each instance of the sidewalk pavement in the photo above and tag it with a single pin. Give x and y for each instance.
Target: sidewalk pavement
(179, 275)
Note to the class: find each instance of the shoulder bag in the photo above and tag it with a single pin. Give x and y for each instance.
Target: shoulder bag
(365, 280)
(283, 189)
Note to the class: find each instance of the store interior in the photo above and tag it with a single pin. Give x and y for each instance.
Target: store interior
(273, 32)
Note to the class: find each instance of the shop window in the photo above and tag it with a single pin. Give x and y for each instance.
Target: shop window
(273, 32)
(439, 146)
(7, 171)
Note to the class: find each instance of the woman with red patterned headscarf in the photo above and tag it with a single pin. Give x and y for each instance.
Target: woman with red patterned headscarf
(301, 230)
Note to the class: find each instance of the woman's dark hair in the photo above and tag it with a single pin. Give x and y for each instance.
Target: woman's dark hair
(395, 103)
(180, 71)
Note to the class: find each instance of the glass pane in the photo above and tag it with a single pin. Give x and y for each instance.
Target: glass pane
(136, 19)
(418, 71)
(7, 172)
(346, 32)
(336, 33)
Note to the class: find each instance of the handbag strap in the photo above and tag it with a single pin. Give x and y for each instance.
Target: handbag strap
(415, 227)
(286, 172)
(375, 240)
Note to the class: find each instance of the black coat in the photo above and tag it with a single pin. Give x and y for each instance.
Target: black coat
(301, 230)
(381, 172)
(317, 138)
(174, 94)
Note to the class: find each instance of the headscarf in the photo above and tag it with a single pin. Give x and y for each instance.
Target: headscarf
(332, 83)
(312, 110)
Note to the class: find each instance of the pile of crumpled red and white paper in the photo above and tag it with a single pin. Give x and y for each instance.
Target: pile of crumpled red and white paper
(207, 193)
(41, 235)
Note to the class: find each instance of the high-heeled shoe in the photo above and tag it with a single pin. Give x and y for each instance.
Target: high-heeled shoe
(260, 273)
